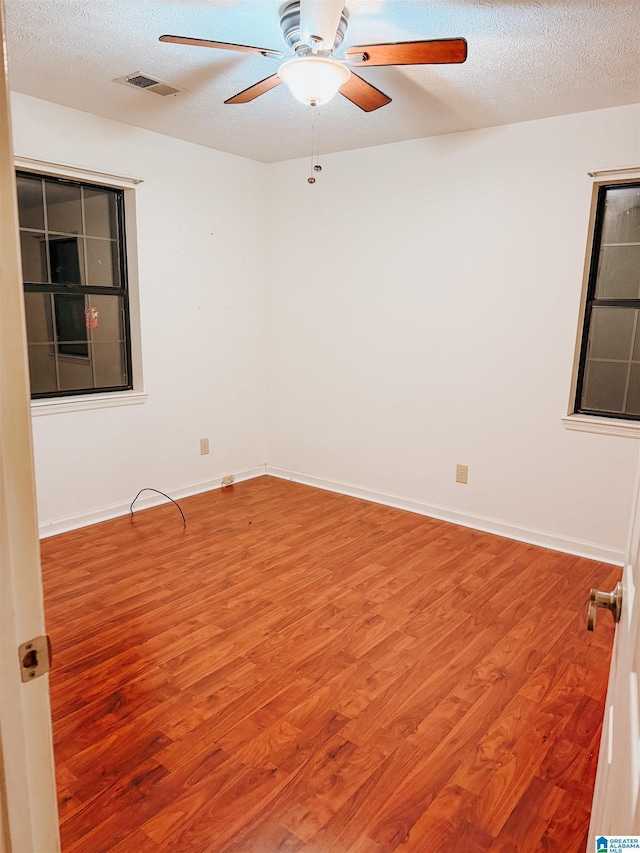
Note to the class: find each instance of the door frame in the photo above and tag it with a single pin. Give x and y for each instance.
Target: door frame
(28, 806)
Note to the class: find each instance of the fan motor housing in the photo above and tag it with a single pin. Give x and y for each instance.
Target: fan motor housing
(290, 24)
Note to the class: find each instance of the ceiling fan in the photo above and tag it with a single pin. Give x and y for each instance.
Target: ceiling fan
(314, 30)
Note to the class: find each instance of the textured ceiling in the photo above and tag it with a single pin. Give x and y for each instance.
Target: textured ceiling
(526, 60)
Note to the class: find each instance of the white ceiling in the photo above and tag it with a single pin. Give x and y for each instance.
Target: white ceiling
(526, 60)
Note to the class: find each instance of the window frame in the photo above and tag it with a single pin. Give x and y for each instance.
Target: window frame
(121, 293)
(580, 418)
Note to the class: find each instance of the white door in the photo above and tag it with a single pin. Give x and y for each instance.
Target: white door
(616, 806)
(28, 813)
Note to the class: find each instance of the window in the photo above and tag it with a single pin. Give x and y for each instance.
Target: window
(609, 368)
(75, 284)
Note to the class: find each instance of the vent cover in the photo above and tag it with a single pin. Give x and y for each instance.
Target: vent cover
(138, 80)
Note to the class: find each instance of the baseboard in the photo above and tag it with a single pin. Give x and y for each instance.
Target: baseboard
(63, 525)
(555, 542)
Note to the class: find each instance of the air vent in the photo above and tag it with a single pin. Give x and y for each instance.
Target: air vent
(142, 81)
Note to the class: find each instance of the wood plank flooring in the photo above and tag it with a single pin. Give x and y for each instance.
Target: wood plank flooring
(301, 671)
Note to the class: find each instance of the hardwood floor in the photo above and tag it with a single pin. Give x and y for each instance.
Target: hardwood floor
(301, 671)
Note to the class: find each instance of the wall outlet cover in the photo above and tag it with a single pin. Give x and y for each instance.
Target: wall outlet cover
(462, 473)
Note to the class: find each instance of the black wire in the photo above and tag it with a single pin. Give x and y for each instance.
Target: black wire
(184, 520)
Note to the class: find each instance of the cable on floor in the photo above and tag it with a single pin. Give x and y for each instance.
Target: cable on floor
(146, 489)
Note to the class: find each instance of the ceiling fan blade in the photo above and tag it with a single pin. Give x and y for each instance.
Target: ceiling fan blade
(363, 94)
(435, 52)
(222, 45)
(255, 91)
(320, 18)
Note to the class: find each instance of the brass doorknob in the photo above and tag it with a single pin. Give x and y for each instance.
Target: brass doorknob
(610, 600)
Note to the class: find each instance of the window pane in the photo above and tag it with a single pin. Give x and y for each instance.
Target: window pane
(633, 394)
(64, 211)
(30, 203)
(636, 346)
(610, 332)
(34, 256)
(42, 368)
(109, 364)
(76, 374)
(39, 318)
(604, 386)
(67, 260)
(618, 273)
(105, 318)
(71, 325)
(621, 222)
(102, 263)
(99, 213)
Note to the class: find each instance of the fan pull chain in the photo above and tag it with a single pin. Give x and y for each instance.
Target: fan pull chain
(315, 145)
(318, 167)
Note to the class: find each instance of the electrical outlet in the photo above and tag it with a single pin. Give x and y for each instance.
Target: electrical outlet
(462, 473)
(204, 446)
(228, 480)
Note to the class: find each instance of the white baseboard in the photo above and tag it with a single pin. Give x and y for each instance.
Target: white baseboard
(63, 525)
(554, 541)
(578, 547)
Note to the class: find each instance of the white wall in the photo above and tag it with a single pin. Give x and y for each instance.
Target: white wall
(423, 301)
(202, 297)
(423, 313)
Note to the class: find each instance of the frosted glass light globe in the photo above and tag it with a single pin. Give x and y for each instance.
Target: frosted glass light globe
(313, 80)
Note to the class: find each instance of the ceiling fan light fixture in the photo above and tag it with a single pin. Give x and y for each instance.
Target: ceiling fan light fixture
(313, 80)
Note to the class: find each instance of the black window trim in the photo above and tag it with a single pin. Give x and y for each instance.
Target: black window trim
(122, 292)
(591, 301)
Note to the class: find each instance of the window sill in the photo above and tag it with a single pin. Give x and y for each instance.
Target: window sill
(602, 426)
(61, 405)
